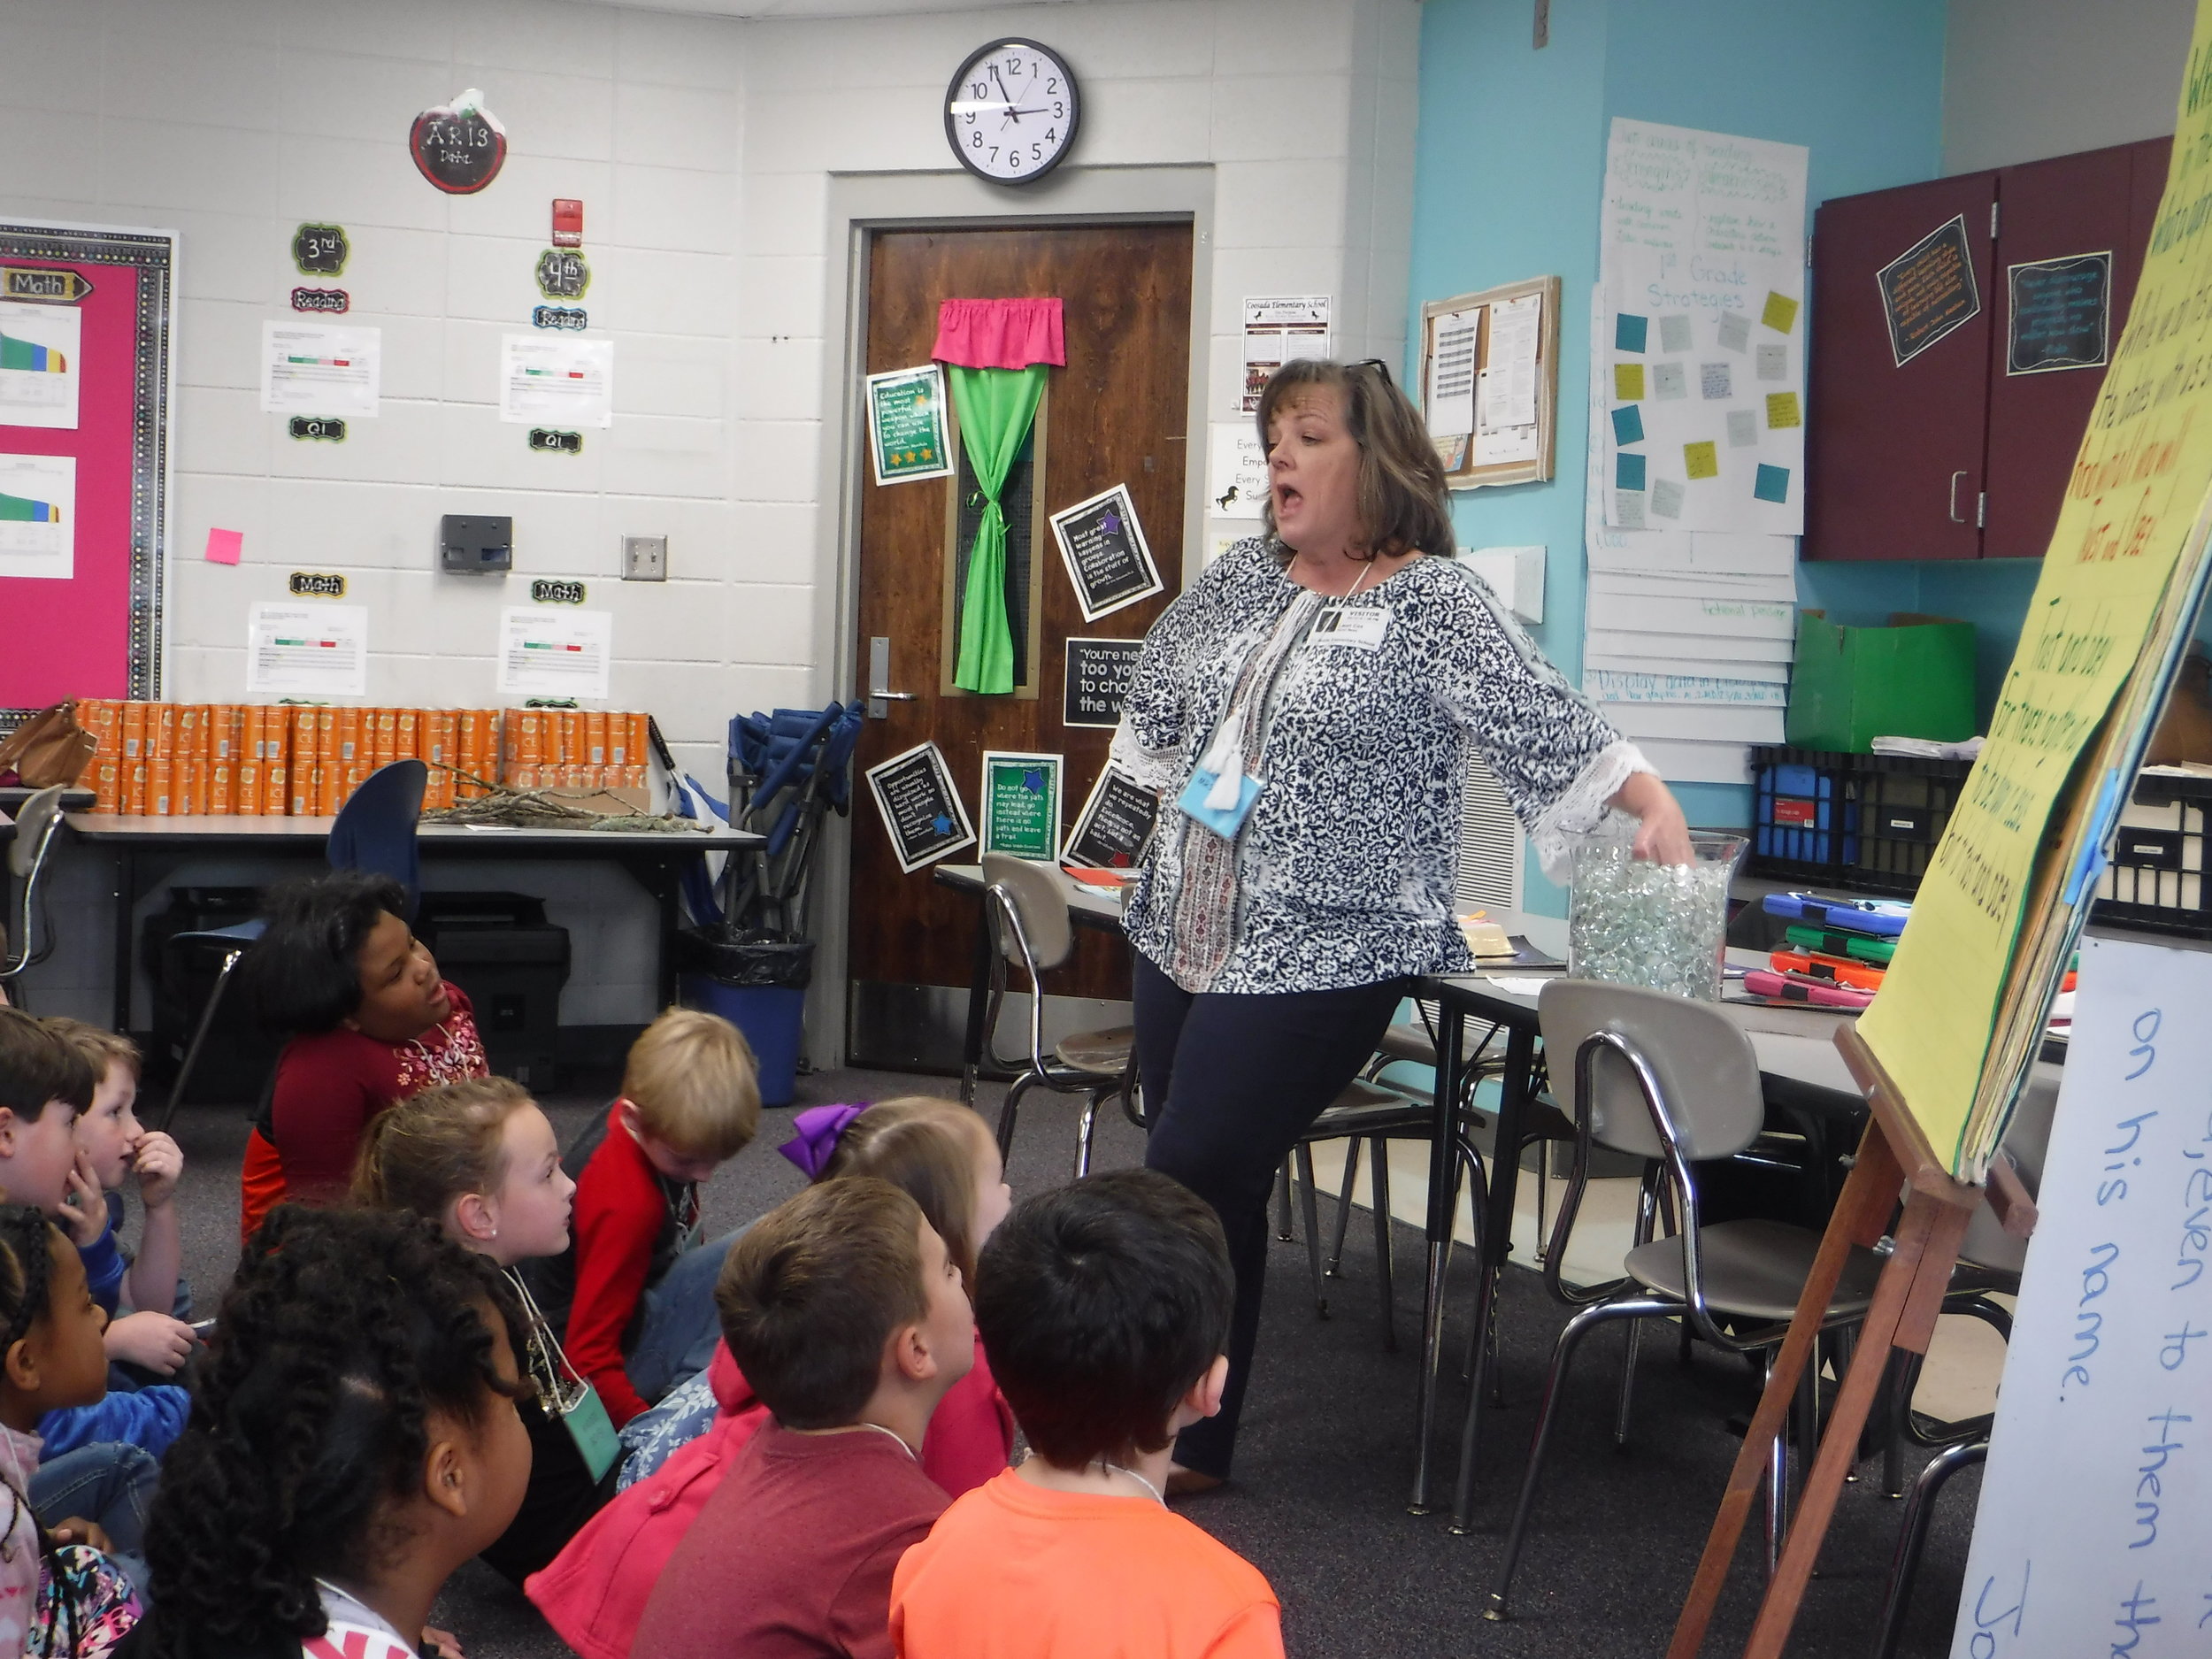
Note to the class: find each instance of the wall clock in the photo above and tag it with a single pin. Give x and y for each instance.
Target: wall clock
(1011, 111)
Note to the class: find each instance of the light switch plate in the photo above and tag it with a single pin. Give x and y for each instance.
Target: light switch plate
(644, 558)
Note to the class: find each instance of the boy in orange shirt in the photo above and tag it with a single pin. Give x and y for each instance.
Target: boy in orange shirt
(1103, 1308)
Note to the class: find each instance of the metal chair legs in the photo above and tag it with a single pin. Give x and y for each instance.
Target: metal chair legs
(1912, 1540)
(1010, 1109)
(199, 1038)
(1304, 1157)
(1525, 1507)
(1344, 1206)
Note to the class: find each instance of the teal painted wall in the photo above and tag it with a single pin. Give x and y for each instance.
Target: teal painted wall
(1509, 162)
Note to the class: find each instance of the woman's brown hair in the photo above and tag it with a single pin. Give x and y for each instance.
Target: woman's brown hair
(925, 1147)
(1403, 500)
(422, 1152)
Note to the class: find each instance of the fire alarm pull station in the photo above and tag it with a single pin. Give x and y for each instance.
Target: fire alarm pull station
(568, 222)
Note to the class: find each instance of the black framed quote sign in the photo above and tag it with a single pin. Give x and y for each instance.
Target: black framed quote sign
(1114, 826)
(1928, 290)
(1104, 547)
(2061, 312)
(1099, 671)
(921, 808)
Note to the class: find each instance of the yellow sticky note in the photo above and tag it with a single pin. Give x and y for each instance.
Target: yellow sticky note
(1781, 410)
(1628, 382)
(1780, 313)
(1700, 460)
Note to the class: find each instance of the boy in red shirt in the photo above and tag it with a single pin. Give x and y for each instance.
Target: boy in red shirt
(1104, 1308)
(633, 1294)
(846, 1315)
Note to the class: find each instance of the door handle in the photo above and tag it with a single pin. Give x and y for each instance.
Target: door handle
(880, 697)
(1955, 500)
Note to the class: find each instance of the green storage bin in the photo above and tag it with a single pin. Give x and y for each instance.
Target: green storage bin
(1914, 678)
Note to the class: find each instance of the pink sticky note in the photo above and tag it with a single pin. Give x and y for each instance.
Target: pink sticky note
(222, 546)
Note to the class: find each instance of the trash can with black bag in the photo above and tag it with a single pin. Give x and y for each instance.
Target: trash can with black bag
(757, 979)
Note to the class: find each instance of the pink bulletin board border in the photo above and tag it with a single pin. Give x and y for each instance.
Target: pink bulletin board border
(75, 634)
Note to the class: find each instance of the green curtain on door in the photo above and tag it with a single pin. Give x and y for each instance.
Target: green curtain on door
(996, 407)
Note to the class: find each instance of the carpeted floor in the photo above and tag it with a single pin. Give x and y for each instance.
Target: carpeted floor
(1318, 1500)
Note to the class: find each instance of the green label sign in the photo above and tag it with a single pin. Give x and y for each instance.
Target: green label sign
(1021, 804)
(906, 424)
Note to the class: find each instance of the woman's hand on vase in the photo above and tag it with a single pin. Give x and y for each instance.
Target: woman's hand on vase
(1663, 836)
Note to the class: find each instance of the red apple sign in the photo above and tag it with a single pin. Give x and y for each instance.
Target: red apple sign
(459, 147)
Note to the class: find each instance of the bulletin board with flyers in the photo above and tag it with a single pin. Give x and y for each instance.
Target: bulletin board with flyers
(86, 320)
(1489, 382)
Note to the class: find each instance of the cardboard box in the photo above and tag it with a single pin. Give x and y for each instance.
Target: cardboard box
(1913, 678)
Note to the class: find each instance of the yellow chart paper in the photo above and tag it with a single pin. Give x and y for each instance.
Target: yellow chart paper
(2141, 476)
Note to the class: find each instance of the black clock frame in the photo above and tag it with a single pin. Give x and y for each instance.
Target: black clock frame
(998, 42)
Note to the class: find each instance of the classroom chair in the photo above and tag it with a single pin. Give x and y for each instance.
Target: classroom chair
(1035, 935)
(374, 830)
(1670, 1080)
(35, 826)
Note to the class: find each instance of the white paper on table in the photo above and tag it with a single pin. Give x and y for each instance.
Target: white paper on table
(312, 650)
(1451, 400)
(38, 516)
(41, 353)
(1236, 471)
(1710, 647)
(551, 651)
(552, 380)
(1615, 684)
(1514, 327)
(1714, 723)
(316, 369)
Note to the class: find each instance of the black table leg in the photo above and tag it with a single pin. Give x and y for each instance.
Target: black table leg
(1514, 1092)
(978, 1000)
(126, 959)
(1443, 1178)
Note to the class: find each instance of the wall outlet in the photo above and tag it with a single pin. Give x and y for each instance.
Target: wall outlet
(644, 558)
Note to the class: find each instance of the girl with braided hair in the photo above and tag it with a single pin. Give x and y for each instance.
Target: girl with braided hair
(60, 1597)
(353, 1440)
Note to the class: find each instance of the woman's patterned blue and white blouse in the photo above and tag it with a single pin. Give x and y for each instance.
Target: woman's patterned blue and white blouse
(1344, 868)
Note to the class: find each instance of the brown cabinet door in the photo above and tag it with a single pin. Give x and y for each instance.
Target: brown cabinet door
(1894, 454)
(2056, 210)
(1116, 414)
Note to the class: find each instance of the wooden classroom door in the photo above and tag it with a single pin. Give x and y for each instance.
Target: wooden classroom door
(1116, 413)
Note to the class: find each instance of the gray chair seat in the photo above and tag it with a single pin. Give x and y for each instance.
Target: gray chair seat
(1103, 1052)
(1411, 1043)
(1753, 1270)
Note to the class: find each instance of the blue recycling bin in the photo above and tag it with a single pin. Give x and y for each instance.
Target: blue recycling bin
(771, 1016)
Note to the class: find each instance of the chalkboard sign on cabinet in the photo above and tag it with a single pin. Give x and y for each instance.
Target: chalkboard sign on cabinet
(1928, 290)
(2061, 314)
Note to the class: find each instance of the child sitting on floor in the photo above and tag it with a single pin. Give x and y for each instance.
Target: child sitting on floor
(1104, 1306)
(633, 1297)
(479, 1158)
(846, 1313)
(355, 1439)
(153, 1342)
(938, 1152)
(371, 1022)
(60, 1594)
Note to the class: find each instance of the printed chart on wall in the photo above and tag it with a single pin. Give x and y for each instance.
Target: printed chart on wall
(307, 651)
(1701, 259)
(307, 369)
(85, 321)
(558, 382)
(546, 651)
(1687, 634)
(1278, 328)
(921, 807)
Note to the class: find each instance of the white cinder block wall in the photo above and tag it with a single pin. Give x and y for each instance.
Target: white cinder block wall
(702, 148)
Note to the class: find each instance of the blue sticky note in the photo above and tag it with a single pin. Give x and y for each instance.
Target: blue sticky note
(1772, 484)
(1628, 424)
(1629, 331)
(1628, 471)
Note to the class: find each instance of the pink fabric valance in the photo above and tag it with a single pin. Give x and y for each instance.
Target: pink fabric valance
(999, 333)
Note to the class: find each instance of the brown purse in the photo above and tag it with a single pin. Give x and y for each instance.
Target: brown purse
(50, 747)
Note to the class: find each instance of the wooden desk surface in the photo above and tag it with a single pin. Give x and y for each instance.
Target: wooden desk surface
(243, 830)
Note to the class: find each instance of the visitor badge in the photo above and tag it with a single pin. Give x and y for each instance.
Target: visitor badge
(1342, 624)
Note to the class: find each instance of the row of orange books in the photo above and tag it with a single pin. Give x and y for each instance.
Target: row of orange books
(183, 759)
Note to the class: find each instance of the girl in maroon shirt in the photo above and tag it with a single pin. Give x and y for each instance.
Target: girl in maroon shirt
(372, 1022)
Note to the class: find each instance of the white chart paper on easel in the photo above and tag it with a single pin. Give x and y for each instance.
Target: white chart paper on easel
(2097, 1502)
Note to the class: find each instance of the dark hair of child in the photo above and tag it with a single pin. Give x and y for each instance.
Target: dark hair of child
(1100, 1304)
(814, 1289)
(38, 1065)
(27, 1284)
(341, 1334)
(920, 1145)
(304, 971)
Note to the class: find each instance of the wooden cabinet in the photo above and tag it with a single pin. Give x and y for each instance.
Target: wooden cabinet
(1960, 451)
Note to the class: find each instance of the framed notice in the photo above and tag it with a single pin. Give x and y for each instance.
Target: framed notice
(907, 434)
(1021, 803)
(1103, 547)
(1489, 382)
(2061, 314)
(1928, 291)
(1098, 673)
(921, 809)
(1114, 826)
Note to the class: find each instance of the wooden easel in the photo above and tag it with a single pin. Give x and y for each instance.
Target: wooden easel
(1907, 1298)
